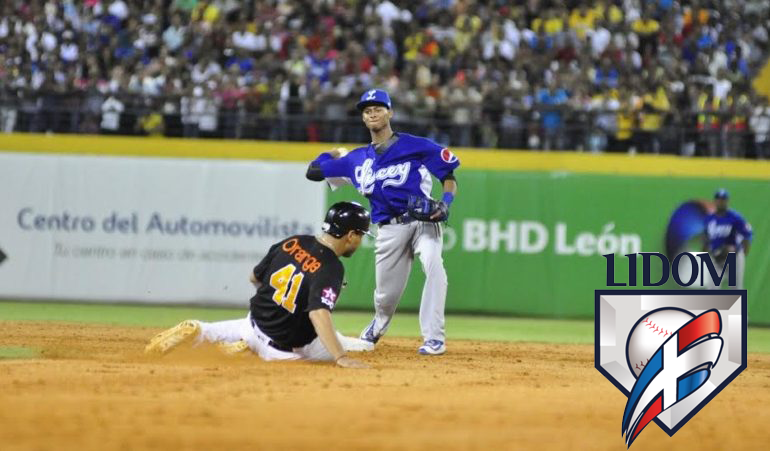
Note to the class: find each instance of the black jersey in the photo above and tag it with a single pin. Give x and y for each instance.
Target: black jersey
(298, 275)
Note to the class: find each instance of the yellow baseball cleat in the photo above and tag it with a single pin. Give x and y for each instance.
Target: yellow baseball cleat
(171, 338)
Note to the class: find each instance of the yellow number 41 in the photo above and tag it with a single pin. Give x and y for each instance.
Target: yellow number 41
(280, 281)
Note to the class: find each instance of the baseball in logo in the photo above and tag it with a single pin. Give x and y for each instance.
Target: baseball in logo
(649, 334)
(670, 352)
(448, 156)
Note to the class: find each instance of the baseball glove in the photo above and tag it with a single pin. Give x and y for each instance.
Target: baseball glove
(422, 209)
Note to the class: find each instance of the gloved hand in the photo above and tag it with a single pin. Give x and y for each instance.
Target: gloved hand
(428, 210)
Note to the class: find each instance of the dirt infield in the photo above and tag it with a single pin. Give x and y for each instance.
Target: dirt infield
(93, 389)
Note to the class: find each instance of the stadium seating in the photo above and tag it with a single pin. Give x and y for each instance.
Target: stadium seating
(624, 75)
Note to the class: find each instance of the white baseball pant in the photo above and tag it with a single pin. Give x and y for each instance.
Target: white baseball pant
(243, 329)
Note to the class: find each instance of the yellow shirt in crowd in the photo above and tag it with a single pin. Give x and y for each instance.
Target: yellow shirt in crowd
(412, 45)
(614, 14)
(152, 124)
(625, 125)
(652, 121)
(475, 22)
(550, 26)
(580, 23)
(209, 14)
(642, 26)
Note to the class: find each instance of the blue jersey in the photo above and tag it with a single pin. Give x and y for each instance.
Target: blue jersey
(388, 179)
(728, 229)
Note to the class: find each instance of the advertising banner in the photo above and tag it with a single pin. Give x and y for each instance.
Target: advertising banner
(145, 229)
(531, 243)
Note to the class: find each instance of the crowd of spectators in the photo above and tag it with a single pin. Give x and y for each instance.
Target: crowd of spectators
(605, 75)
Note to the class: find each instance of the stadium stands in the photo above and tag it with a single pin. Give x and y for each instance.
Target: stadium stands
(624, 75)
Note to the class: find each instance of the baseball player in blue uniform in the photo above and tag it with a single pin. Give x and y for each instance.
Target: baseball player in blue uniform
(394, 172)
(727, 231)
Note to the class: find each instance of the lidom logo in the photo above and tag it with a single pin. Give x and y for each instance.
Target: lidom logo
(669, 351)
(685, 269)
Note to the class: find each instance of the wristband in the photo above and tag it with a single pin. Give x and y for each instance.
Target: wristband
(448, 198)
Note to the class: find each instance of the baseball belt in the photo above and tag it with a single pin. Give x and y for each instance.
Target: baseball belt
(401, 219)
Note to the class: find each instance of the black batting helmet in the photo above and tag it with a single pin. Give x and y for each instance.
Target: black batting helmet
(343, 217)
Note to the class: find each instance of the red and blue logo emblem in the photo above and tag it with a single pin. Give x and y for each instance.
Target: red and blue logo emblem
(448, 156)
(670, 352)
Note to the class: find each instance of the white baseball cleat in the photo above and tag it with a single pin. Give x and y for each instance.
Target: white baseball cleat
(171, 338)
(432, 347)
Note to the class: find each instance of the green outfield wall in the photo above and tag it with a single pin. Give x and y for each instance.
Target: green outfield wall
(527, 230)
(531, 243)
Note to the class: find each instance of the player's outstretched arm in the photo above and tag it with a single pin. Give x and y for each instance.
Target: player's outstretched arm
(314, 170)
(322, 322)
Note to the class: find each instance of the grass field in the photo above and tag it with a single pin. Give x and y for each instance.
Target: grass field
(462, 327)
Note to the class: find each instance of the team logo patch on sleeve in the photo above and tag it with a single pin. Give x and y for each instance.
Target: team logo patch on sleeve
(448, 156)
(329, 297)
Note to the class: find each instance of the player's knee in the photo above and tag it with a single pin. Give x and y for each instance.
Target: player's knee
(433, 267)
(385, 298)
(437, 275)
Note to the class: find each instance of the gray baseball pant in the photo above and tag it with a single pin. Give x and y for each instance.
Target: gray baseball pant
(395, 248)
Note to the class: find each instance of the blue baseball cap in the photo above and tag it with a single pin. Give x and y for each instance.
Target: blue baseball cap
(722, 194)
(374, 97)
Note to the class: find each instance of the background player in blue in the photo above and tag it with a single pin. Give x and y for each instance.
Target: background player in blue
(393, 167)
(727, 231)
